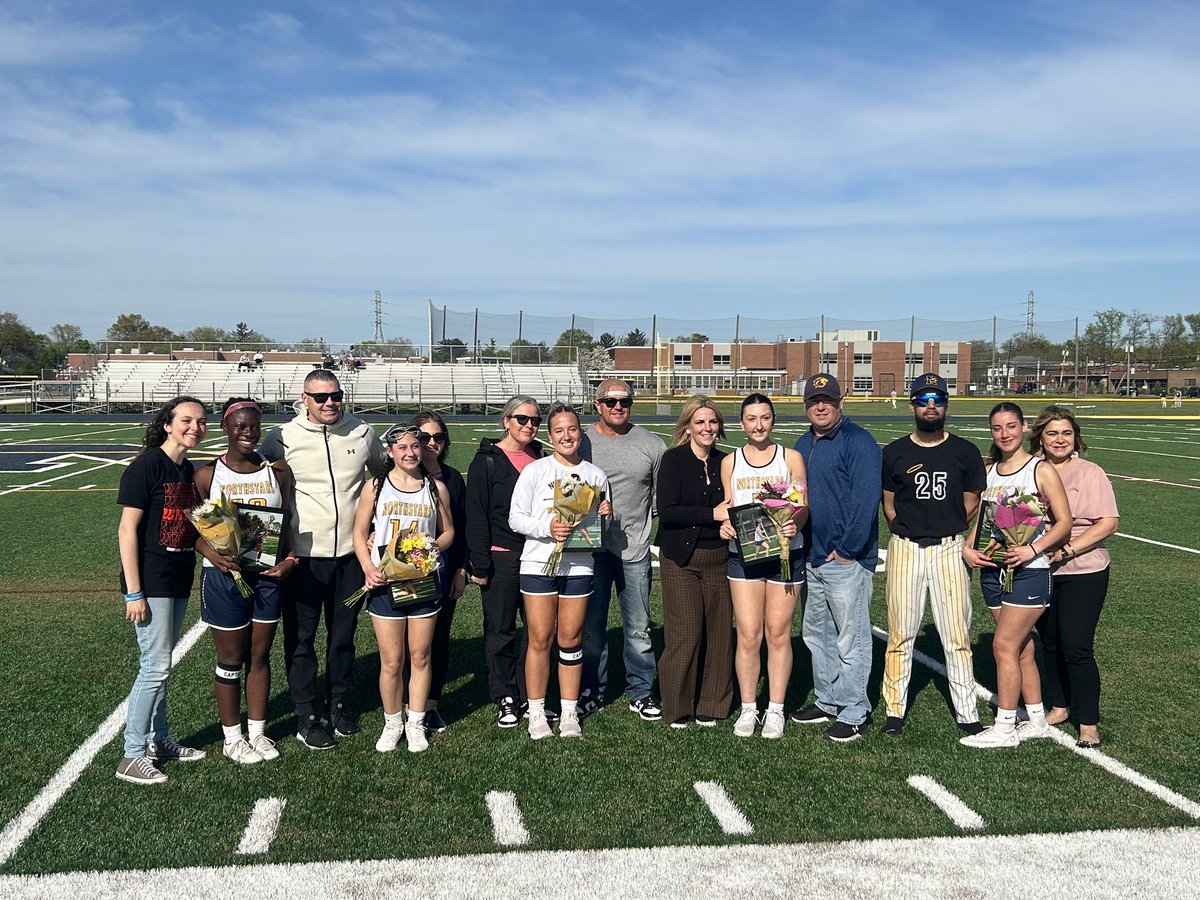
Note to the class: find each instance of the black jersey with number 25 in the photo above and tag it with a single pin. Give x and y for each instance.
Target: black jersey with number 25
(929, 483)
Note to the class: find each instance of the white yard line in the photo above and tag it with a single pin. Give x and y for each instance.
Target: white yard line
(1134, 537)
(1141, 452)
(731, 819)
(1193, 487)
(508, 825)
(17, 831)
(43, 483)
(264, 823)
(957, 811)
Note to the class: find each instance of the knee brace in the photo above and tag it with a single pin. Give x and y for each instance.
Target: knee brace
(571, 656)
(227, 674)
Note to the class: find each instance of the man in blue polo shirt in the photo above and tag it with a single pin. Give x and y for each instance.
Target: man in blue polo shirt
(844, 467)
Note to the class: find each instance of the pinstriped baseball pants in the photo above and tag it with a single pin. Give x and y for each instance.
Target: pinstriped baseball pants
(913, 571)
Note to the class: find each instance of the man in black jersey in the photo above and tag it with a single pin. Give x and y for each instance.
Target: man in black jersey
(931, 486)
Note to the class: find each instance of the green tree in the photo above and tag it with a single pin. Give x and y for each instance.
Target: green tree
(528, 353)
(244, 335)
(449, 350)
(206, 334)
(694, 338)
(22, 350)
(570, 344)
(133, 328)
(635, 338)
(392, 348)
(67, 338)
(607, 340)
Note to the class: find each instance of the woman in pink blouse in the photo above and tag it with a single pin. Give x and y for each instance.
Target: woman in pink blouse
(1080, 569)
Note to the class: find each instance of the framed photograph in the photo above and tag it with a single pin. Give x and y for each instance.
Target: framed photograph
(263, 536)
(586, 535)
(405, 593)
(757, 538)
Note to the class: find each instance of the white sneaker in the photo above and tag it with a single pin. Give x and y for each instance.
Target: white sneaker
(773, 724)
(390, 737)
(265, 747)
(568, 726)
(746, 722)
(242, 753)
(1027, 731)
(991, 737)
(414, 733)
(538, 726)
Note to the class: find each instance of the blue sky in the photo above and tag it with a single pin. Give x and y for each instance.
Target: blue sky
(222, 162)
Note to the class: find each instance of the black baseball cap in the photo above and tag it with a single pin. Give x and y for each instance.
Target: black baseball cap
(930, 381)
(822, 386)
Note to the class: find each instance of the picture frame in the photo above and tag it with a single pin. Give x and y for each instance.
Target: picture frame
(406, 593)
(263, 536)
(586, 536)
(757, 537)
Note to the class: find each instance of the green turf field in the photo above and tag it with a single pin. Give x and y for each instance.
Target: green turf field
(70, 659)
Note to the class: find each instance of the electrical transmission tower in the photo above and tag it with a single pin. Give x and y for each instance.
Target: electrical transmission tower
(1028, 313)
(379, 317)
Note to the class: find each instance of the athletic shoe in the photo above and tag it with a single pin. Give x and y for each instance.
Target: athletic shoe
(538, 727)
(647, 707)
(773, 723)
(589, 703)
(746, 722)
(169, 748)
(1027, 731)
(343, 725)
(242, 753)
(390, 736)
(265, 747)
(991, 737)
(415, 735)
(971, 727)
(680, 723)
(139, 770)
(312, 734)
(844, 732)
(550, 708)
(507, 713)
(812, 715)
(706, 721)
(568, 726)
(894, 726)
(434, 723)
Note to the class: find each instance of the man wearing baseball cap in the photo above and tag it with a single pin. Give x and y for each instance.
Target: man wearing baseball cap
(932, 481)
(842, 536)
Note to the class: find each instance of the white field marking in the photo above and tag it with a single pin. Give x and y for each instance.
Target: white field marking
(1147, 784)
(508, 826)
(24, 487)
(264, 823)
(43, 440)
(957, 811)
(1156, 481)
(1153, 862)
(1134, 537)
(17, 831)
(1142, 452)
(731, 819)
(85, 487)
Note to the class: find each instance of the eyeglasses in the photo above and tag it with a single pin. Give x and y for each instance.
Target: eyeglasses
(524, 420)
(939, 400)
(320, 397)
(426, 437)
(610, 402)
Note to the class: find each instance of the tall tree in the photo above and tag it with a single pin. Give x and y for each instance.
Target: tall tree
(133, 328)
(607, 340)
(22, 350)
(206, 334)
(694, 338)
(570, 344)
(635, 338)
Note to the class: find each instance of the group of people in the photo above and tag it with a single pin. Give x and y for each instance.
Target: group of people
(348, 493)
(250, 363)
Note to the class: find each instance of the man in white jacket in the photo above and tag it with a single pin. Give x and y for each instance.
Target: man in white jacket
(328, 451)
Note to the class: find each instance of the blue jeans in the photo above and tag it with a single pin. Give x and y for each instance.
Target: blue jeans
(632, 580)
(146, 719)
(837, 632)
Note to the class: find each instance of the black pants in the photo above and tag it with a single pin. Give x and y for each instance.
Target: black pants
(316, 586)
(1068, 632)
(501, 603)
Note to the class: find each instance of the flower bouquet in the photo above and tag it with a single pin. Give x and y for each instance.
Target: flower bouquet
(217, 522)
(782, 499)
(408, 561)
(1019, 518)
(574, 499)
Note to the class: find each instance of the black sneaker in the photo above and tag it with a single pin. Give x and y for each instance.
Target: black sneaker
(312, 734)
(970, 727)
(894, 726)
(508, 714)
(434, 723)
(648, 707)
(811, 715)
(589, 703)
(844, 733)
(343, 725)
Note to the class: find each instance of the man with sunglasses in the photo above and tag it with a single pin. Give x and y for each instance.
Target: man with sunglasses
(932, 481)
(629, 455)
(329, 451)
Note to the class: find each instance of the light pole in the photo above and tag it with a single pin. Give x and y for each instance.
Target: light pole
(1062, 373)
(1129, 369)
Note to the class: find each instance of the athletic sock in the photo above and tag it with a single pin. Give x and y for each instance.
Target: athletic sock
(256, 727)
(416, 718)
(752, 706)
(775, 707)
(1006, 720)
(396, 718)
(537, 707)
(1037, 713)
(233, 733)
(568, 707)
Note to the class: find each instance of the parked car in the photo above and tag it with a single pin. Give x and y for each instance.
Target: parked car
(1192, 392)
(1029, 387)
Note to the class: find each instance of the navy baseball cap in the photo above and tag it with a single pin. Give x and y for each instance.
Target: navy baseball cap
(930, 381)
(822, 386)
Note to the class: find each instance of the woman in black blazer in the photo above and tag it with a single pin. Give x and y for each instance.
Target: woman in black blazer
(696, 669)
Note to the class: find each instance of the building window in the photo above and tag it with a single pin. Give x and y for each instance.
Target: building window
(862, 359)
(683, 360)
(914, 359)
(863, 384)
(948, 359)
(829, 359)
(720, 360)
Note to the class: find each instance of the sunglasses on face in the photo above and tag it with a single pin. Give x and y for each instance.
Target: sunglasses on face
(319, 397)
(426, 437)
(610, 402)
(939, 400)
(524, 420)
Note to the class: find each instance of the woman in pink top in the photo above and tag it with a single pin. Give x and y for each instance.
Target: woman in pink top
(1080, 568)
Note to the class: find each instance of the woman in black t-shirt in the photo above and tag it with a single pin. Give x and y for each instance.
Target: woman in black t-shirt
(158, 560)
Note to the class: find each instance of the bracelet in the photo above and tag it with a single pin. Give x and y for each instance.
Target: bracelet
(135, 596)
(292, 558)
